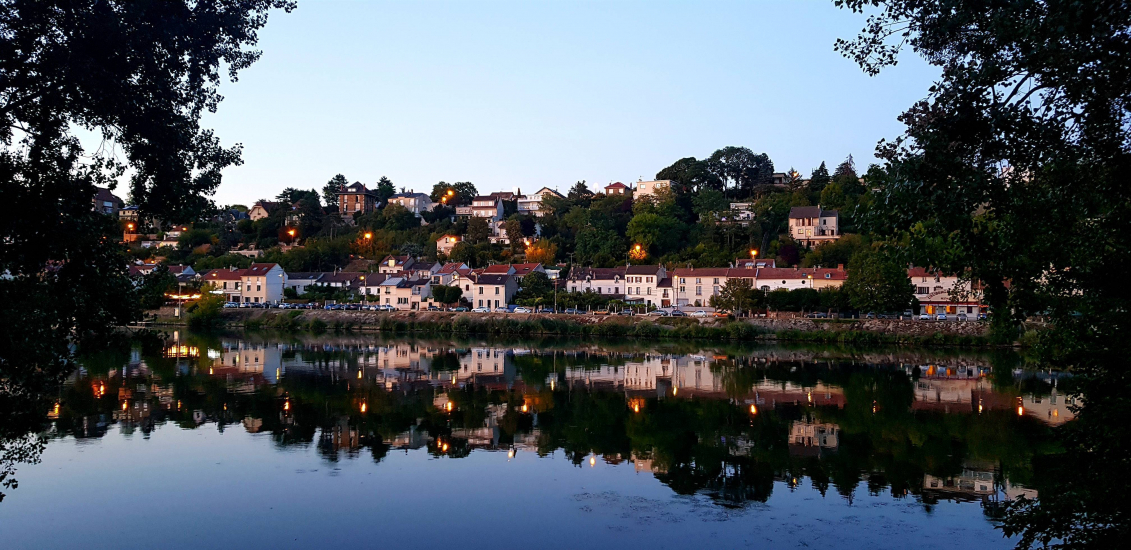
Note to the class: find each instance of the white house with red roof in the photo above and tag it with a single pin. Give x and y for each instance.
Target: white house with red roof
(264, 283)
(228, 280)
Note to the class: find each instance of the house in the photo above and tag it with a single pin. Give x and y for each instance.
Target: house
(264, 283)
(489, 207)
(602, 280)
(492, 291)
(262, 209)
(532, 204)
(753, 263)
(413, 202)
(228, 280)
(793, 278)
(445, 244)
(651, 188)
(395, 264)
(617, 188)
(300, 281)
(342, 280)
(506, 195)
(813, 224)
(446, 274)
(404, 294)
(462, 278)
(641, 284)
(522, 270)
(694, 286)
(499, 269)
(939, 292)
(422, 270)
(355, 199)
(129, 214)
(741, 213)
(106, 202)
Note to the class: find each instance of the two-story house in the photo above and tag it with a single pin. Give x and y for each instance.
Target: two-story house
(355, 199)
(413, 202)
(489, 207)
(264, 283)
(617, 188)
(445, 244)
(532, 204)
(813, 224)
(262, 209)
(641, 284)
(694, 286)
(106, 202)
(651, 188)
(602, 280)
(492, 291)
(395, 264)
(448, 273)
(229, 280)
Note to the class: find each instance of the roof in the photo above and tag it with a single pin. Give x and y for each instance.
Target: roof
(398, 259)
(103, 194)
(925, 272)
(666, 282)
(340, 277)
(266, 205)
(787, 273)
(176, 269)
(491, 279)
(457, 238)
(548, 191)
(224, 274)
(411, 195)
(752, 263)
(139, 269)
(617, 185)
(642, 270)
(601, 273)
(525, 269)
(259, 269)
(497, 269)
(485, 198)
(354, 189)
(451, 267)
(393, 281)
(702, 272)
(311, 275)
(503, 195)
(811, 212)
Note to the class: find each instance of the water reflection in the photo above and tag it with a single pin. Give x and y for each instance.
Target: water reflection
(732, 424)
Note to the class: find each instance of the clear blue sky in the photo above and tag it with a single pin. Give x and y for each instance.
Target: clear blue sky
(542, 93)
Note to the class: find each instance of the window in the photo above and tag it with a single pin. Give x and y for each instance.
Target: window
(638, 290)
(698, 280)
(628, 290)
(258, 287)
(715, 289)
(698, 291)
(716, 280)
(481, 290)
(496, 290)
(649, 291)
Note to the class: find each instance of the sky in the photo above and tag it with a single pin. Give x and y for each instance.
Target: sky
(546, 93)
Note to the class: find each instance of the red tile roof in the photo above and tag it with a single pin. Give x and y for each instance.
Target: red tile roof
(224, 274)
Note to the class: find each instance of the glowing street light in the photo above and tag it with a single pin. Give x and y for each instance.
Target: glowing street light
(368, 235)
(753, 252)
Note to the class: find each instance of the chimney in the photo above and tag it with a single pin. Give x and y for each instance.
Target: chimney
(840, 267)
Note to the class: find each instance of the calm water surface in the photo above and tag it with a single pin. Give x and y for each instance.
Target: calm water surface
(356, 440)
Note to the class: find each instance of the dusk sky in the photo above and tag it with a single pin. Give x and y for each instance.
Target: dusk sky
(533, 94)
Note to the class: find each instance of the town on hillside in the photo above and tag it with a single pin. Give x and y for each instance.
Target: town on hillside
(698, 239)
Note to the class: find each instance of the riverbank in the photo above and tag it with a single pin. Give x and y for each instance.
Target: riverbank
(847, 331)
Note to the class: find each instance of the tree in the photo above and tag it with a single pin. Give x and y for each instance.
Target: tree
(446, 294)
(384, 189)
(691, 175)
(710, 200)
(513, 228)
(819, 178)
(331, 189)
(655, 232)
(478, 229)
(399, 218)
(737, 295)
(537, 284)
(542, 252)
(154, 285)
(741, 168)
(877, 283)
(579, 194)
(291, 195)
(139, 76)
(463, 252)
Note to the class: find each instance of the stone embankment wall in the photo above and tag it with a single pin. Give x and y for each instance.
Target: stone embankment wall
(361, 319)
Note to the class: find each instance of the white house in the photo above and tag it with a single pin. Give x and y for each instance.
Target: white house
(813, 224)
(487, 207)
(651, 188)
(445, 244)
(264, 283)
(413, 202)
(532, 204)
(602, 280)
(641, 284)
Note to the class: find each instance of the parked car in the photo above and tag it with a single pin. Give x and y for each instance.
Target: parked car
(870, 315)
(544, 310)
(924, 317)
(521, 309)
(571, 311)
(818, 315)
(722, 314)
(458, 308)
(983, 316)
(231, 304)
(908, 314)
(481, 310)
(660, 313)
(600, 312)
(961, 317)
(940, 317)
(678, 313)
(626, 312)
(434, 308)
(699, 313)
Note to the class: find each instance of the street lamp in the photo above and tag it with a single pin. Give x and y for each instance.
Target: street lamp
(368, 235)
(753, 252)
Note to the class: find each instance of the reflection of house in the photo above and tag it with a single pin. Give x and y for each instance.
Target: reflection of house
(806, 436)
(974, 483)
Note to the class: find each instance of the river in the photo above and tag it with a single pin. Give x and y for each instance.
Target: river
(263, 440)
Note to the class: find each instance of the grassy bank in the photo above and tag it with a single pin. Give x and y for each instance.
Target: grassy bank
(676, 329)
